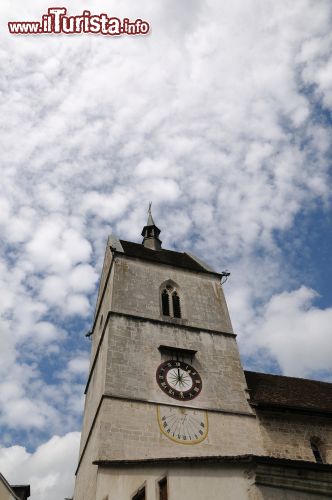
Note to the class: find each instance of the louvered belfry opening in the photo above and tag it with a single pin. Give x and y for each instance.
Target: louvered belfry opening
(165, 302)
(170, 300)
(176, 305)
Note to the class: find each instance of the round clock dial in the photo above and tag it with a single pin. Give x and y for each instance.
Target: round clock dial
(183, 425)
(179, 380)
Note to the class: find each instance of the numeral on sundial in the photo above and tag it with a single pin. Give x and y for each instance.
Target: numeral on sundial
(182, 425)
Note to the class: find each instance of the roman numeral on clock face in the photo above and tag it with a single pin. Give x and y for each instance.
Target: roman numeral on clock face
(179, 380)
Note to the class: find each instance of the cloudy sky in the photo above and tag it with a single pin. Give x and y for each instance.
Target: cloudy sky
(222, 117)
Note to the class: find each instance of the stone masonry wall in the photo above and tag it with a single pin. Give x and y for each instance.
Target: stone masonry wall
(130, 430)
(133, 358)
(103, 305)
(86, 479)
(137, 291)
(95, 391)
(184, 482)
(287, 435)
(106, 266)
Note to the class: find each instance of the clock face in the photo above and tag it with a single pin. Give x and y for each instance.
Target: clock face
(179, 380)
(183, 425)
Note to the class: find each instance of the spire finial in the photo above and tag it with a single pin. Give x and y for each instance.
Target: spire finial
(150, 218)
(151, 232)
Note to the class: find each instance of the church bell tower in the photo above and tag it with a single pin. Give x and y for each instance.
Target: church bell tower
(165, 384)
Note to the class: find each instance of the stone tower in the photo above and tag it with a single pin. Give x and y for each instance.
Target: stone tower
(165, 381)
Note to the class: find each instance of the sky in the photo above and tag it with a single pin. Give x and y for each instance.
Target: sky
(221, 116)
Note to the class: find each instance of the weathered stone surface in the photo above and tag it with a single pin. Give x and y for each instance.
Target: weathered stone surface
(137, 287)
(223, 481)
(122, 397)
(287, 434)
(129, 430)
(133, 358)
(184, 483)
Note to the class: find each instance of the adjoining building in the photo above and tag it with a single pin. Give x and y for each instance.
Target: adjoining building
(170, 414)
(8, 492)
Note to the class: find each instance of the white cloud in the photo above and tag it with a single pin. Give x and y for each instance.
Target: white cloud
(65, 291)
(83, 278)
(49, 470)
(54, 247)
(77, 304)
(16, 408)
(47, 332)
(78, 366)
(53, 290)
(297, 333)
(215, 118)
(106, 206)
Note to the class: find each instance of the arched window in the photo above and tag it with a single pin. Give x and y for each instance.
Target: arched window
(165, 302)
(170, 300)
(163, 489)
(316, 449)
(140, 495)
(176, 305)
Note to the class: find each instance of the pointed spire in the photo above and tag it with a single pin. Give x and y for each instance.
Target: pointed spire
(151, 233)
(150, 218)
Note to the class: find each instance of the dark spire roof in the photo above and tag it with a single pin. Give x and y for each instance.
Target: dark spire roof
(151, 233)
(150, 221)
(167, 257)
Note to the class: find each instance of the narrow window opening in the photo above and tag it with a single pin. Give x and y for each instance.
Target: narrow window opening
(163, 489)
(165, 302)
(176, 305)
(140, 495)
(170, 301)
(101, 322)
(316, 451)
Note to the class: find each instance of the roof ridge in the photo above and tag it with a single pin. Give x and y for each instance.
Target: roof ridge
(161, 250)
(275, 375)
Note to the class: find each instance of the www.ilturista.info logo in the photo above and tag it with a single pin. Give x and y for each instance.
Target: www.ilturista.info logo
(56, 21)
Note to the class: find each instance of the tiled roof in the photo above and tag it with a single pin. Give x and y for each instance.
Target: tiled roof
(163, 256)
(288, 392)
